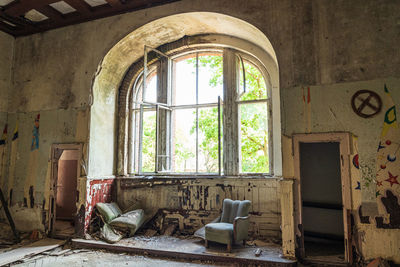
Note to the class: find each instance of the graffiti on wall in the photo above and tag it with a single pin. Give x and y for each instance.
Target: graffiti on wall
(35, 134)
(387, 163)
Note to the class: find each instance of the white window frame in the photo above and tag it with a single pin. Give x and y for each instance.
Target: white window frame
(228, 74)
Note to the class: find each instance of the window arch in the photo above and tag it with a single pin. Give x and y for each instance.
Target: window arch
(179, 130)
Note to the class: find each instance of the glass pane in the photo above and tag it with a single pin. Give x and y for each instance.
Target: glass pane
(149, 141)
(210, 77)
(184, 80)
(208, 140)
(255, 83)
(184, 143)
(253, 140)
(151, 88)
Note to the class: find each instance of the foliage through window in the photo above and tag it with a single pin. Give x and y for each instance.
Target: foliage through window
(175, 124)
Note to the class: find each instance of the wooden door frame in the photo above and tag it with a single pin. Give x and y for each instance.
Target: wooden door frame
(55, 156)
(344, 140)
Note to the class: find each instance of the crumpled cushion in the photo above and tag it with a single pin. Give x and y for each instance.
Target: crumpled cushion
(219, 232)
(129, 222)
(108, 234)
(109, 211)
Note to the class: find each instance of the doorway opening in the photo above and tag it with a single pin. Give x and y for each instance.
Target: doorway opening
(322, 205)
(323, 196)
(64, 193)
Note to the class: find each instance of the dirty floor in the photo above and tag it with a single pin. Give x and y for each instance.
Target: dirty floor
(192, 248)
(100, 258)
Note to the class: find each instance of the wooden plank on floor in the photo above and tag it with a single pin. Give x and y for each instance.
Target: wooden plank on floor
(29, 250)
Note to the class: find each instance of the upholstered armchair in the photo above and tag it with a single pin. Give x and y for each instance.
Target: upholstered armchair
(233, 225)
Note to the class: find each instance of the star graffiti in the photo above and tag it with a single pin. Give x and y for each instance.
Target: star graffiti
(392, 179)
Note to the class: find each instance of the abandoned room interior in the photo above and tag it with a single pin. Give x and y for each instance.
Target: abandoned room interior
(199, 132)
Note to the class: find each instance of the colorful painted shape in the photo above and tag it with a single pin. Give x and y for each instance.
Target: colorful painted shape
(15, 135)
(358, 186)
(391, 158)
(392, 179)
(355, 161)
(35, 134)
(387, 166)
(380, 146)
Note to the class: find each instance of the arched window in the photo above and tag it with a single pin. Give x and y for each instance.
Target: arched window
(202, 111)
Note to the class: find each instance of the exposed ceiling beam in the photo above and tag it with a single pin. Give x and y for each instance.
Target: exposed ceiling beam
(51, 13)
(19, 22)
(19, 8)
(114, 3)
(84, 12)
(6, 28)
(81, 6)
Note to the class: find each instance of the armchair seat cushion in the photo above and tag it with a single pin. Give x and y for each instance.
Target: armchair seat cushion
(219, 232)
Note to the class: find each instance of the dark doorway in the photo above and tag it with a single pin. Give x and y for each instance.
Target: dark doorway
(66, 193)
(322, 207)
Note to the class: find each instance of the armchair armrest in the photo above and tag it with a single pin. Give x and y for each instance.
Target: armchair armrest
(240, 228)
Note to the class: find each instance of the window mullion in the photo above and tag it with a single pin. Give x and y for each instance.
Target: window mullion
(197, 112)
(230, 113)
(140, 140)
(157, 138)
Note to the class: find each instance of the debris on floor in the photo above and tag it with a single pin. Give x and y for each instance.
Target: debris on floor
(379, 262)
(29, 250)
(6, 235)
(104, 258)
(258, 252)
(170, 229)
(190, 247)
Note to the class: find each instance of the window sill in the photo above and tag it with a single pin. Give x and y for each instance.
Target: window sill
(193, 176)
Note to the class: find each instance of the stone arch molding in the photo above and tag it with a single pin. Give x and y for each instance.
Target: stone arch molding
(103, 145)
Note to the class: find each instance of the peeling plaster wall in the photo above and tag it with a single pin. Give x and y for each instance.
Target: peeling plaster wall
(192, 203)
(29, 172)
